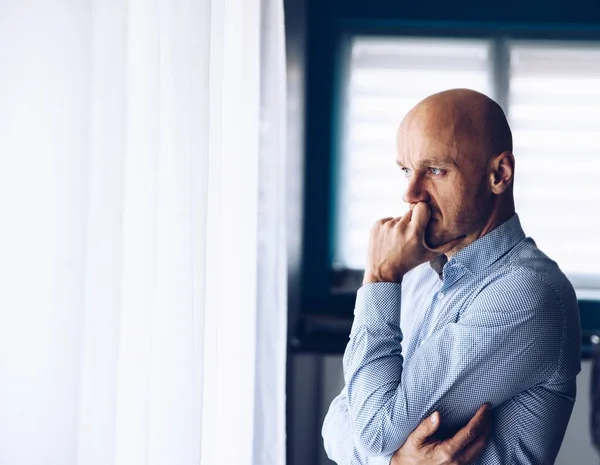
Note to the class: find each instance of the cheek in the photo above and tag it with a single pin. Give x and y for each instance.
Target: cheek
(450, 210)
(445, 202)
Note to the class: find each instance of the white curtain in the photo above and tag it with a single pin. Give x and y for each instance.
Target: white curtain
(142, 267)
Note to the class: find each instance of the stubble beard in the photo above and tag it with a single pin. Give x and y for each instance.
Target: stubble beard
(467, 221)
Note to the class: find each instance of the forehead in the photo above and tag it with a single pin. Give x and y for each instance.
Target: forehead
(425, 142)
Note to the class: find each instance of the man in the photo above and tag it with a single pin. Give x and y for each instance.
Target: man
(458, 307)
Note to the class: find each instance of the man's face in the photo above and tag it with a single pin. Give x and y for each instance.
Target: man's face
(444, 170)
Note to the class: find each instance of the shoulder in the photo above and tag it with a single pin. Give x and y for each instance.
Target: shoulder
(527, 289)
(527, 274)
(533, 290)
(534, 270)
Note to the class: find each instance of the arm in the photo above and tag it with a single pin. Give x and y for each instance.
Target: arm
(420, 448)
(338, 439)
(497, 349)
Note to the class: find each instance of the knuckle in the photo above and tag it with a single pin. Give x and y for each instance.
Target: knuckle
(381, 223)
(414, 434)
(472, 434)
(376, 227)
(411, 444)
(421, 432)
(445, 455)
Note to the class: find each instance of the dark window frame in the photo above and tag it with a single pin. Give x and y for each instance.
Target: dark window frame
(327, 298)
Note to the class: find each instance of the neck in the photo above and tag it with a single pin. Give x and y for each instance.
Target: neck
(501, 212)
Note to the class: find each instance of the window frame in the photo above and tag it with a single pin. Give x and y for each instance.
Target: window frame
(327, 295)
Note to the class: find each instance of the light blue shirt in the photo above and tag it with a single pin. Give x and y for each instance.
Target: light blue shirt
(500, 326)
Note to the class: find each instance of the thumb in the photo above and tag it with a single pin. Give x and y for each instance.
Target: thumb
(426, 429)
(421, 214)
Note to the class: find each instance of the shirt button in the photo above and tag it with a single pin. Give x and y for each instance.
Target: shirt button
(440, 295)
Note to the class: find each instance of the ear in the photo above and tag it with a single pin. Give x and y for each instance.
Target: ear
(502, 171)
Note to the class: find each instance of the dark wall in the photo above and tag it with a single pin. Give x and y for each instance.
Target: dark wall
(550, 11)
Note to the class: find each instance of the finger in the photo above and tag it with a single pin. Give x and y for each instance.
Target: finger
(380, 223)
(406, 217)
(384, 220)
(472, 451)
(477, 426)
(420, 215)
(425, 429)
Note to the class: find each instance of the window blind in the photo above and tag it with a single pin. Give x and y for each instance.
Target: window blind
(554, 111)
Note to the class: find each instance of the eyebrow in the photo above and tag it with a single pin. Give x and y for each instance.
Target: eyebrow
(431, 162)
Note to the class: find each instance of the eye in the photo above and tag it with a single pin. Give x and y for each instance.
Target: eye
(406, 172)
(435, 171)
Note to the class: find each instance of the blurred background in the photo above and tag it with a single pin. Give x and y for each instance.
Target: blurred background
(354, 69)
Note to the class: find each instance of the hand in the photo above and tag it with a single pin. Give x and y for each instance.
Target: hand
(397, 245)
(461, 449)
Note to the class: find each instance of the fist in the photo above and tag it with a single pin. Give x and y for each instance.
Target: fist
(397, 245)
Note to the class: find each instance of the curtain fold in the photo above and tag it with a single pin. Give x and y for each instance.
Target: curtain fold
(269, 419)
(143, 305)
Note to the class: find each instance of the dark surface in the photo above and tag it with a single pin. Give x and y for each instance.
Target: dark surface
(325, 334)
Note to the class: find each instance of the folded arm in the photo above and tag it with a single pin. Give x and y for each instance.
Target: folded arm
(498, 348)
(421, 447)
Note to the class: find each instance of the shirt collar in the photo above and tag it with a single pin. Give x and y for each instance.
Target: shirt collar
(481, 253)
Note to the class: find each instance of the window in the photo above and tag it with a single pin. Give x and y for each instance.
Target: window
(552, 97)
(554, 111)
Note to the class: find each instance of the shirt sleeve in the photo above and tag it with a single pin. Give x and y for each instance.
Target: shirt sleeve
(504, 342)
(338, 438)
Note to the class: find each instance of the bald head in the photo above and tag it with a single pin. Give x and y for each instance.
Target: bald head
(465, 120)
(455, 149)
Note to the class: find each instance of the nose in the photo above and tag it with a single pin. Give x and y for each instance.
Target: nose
(415, 191)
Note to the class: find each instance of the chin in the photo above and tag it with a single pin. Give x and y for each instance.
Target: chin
(432, 244)
(434, 238)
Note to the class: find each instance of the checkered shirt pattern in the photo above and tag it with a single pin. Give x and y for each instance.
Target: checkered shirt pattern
(500, 326)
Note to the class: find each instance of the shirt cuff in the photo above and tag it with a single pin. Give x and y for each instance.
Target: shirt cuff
(378, 305)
